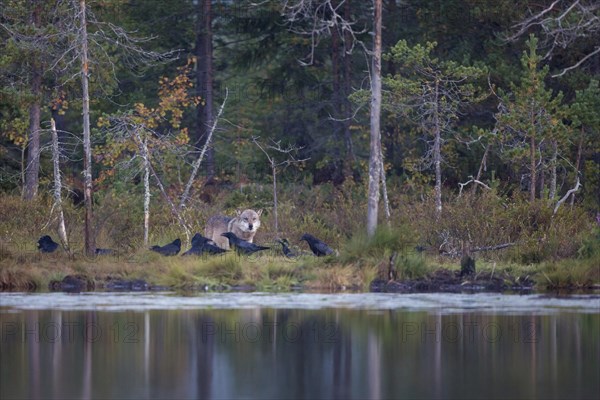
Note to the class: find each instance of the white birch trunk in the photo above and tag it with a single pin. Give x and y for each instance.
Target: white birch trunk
(437, 156)
(90, 245)
(274, 168)
(62, 231)
(553, 162)
(375, 146)
(578, 162)
(143, 146)
(386, 202)
(146, 192)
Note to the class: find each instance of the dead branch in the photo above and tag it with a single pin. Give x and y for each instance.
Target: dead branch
(562, 23)
(472, 180)
(386, 201)
(566, 196)
(288, 152)
(496, 247)
(196, 165)
(576, 65)
(323, 17)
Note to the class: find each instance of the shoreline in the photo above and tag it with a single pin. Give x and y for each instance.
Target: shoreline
(440, 281)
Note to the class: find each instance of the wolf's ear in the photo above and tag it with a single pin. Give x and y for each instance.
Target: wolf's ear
(259, 212)
(238, 212)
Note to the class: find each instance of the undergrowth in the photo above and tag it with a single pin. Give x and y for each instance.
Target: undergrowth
(555, 249)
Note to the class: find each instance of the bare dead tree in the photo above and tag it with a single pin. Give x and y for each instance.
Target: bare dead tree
(198, 161)
(275, 165)
(562, 24)
(482, 166)
(89, 234)
(375, 161)
(318, 19)
(62, 231)
(73, 51)
(124, 128)
(386, 201)
(471, 180)
(143, 146)
(566, 196)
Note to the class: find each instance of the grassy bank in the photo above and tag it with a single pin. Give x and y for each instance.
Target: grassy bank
(561, 250)
(360, 262)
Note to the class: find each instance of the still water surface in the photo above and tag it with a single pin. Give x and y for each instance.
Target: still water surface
(102, 345)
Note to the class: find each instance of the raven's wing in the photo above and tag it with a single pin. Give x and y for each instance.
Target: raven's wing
(213, 249)
(323, 248)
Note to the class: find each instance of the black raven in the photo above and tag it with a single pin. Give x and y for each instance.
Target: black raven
(199, 240)
(318, 247)
(105, 252)
(46, 244)
(242, 246)
(289, 253)
(201, 245)
(170, 249)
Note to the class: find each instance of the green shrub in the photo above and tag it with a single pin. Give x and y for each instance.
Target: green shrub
(381, 244)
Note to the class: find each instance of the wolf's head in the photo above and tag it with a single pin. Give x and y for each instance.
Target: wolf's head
(248, 220)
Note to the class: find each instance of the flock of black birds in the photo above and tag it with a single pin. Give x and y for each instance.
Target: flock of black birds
(202, 245)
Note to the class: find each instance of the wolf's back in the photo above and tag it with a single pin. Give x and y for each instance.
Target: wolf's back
(217, 223)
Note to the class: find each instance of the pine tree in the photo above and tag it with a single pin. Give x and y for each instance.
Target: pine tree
(530, 118)
(432, 92)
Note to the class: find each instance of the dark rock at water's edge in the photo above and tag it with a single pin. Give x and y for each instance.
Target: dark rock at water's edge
(72, 284)
(444, 280)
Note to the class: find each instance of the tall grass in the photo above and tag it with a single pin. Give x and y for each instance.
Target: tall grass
(333, 214)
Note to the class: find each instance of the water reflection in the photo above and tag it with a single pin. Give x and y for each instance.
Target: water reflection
(269, 353)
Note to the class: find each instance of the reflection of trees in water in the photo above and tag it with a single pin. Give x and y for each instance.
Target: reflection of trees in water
(369, 354)
(203, 348)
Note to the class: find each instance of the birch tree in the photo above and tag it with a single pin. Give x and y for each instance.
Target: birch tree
(62, 231)
(89, 233)
(71, 50)
(375, 162)
(138, 138)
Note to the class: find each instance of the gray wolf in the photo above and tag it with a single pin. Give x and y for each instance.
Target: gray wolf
(244, 225)
(242, 246)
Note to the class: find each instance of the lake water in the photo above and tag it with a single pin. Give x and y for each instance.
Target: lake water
(254, 345)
